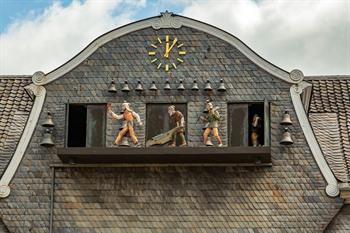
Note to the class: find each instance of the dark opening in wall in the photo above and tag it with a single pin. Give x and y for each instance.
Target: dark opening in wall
(246, 124)
(158, 120)
(86, 125)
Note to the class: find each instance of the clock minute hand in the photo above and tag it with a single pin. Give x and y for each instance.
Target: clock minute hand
(169, 49)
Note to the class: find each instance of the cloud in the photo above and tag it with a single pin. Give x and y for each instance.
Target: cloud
(313, 36)
(46, 41)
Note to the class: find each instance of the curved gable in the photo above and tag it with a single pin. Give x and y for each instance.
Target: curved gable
(165, 21)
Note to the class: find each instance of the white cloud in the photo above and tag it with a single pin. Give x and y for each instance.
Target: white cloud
(46, 41)
(313, 36)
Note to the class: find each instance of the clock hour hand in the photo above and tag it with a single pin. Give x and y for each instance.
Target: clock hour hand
(167, 49)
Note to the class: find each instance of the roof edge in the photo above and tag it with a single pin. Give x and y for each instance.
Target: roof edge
(167, 20)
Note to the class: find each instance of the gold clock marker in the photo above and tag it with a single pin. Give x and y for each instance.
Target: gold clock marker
(166, 52)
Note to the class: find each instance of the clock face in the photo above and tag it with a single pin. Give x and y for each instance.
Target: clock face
(166, 52)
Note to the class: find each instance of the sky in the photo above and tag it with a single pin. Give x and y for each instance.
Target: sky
(310, 35)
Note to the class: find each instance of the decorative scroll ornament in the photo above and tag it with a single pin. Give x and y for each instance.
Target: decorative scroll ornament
(296, 76)
(35, 90)
(167, 20)
(4, 191)
(39, 78)
(332, 188)
(38, 94)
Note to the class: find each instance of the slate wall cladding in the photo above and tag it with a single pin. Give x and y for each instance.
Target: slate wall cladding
(287, 197)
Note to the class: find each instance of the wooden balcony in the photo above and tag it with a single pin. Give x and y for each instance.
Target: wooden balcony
(249, 156)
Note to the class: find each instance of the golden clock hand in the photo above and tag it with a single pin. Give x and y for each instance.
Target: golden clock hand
(166, 49)
(169, 49)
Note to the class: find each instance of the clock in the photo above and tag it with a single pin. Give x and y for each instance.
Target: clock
(166, 52)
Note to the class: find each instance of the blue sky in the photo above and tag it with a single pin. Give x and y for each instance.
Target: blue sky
(311, 35)
(14, 10)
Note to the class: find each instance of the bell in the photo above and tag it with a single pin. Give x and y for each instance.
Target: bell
(222, 87)
(286, 119)
(126, 87)
(194, 86)
(286, 138)
(139, 86)
(208, 86)
(112, 88)
(167, 86)
(209, 143)
(47, 139)
(48, 122)
(153, 86)
(181, 86)
(124, 142)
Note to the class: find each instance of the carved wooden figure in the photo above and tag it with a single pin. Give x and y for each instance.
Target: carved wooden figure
(212, 119)
(128, 116)
(256, 125)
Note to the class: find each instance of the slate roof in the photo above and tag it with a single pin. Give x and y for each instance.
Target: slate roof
(341, 223)
(329, 114)
(15, 106)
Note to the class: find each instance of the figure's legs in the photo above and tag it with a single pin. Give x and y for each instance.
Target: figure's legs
(206, 135)
(173, 140)
(121, 135)
(182, 138)
(254, 137)
(132, 134)
(216, 135)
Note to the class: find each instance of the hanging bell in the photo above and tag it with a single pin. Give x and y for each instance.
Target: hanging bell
(181, 86)
(126, 87)
(139, 86)
(124, 142)
(208, 86)
(286, 138)
(112, 88)
(47, 139)
(194, 86)
(222, 87)
(167, 86)
(153, 86)
(48, 122)
(286, 119)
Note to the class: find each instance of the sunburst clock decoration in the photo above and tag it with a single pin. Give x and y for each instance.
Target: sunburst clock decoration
(167, 53)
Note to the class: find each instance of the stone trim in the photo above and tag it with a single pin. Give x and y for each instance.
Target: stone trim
(332, 189)
(167, 20)
(40, 93)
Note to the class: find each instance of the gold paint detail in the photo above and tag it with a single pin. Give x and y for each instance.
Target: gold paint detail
(159, 65)
(182, 52)
(180, 45)
(154, 46)
(160, 41)
(166, 67)
(154, 60)
(180, 60)
(152, 53)
(174, 65)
